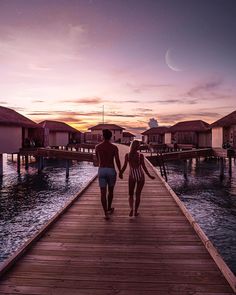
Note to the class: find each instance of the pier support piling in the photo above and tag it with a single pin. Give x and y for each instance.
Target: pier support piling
(40, 164)
(230, 166)
(67, 168)
(185, 169)
(18, 163)
(26, 162)
(1, 165)
(221, 168)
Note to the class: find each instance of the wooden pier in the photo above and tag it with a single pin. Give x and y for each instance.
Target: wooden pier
(162, 251)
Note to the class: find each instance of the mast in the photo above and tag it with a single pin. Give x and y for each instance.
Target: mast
(103, 115)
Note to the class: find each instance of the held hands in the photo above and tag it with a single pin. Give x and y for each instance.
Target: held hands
(120, 175)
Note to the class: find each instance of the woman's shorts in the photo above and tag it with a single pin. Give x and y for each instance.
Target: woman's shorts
(106, 176)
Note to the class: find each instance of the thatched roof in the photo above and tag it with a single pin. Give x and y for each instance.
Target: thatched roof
(226, 121)
(9, 117)
(190, 126)
(156, 130)
(106, 126)
(58, 126)
(128, 134)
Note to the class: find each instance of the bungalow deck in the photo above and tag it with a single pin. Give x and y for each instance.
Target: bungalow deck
(162, 251)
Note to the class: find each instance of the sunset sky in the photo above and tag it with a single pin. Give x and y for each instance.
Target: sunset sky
(172, 60)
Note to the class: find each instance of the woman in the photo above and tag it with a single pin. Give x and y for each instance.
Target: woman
(136, 175)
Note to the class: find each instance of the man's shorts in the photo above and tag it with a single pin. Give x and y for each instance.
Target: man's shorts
(106, 176)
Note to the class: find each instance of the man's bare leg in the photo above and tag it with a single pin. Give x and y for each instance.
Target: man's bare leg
(110, 198)
(104, 201)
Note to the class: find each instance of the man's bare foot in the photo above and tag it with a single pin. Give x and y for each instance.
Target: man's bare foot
(110, 211)
(131, 213)
(136, 214)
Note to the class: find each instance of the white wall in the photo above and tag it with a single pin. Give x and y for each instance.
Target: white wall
(217, 137)
(58, 138)
(117, 135)
(167, 139)
(10, 139)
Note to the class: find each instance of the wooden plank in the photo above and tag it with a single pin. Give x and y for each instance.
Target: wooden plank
(158, 252)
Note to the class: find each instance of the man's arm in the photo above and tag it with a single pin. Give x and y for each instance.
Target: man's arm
(117, 159)
(125, 164)
(96, 158)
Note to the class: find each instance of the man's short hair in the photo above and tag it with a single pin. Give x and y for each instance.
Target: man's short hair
(107, 134)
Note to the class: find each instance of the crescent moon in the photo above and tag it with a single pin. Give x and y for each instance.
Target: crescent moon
(170, 63)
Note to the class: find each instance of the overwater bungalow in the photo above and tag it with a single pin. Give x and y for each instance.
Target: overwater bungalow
(59, 134)
(127, 137)
(194, 133)
(16, 132)
(95, 134)
(224, 131)
(155, 135)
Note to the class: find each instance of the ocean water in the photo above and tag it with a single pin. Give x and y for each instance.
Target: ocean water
(211, 201)
(30, 199)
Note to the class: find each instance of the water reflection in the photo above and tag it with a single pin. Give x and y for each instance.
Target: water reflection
(211, 200)
(28, 200)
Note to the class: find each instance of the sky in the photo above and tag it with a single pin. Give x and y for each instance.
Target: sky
(66, 60)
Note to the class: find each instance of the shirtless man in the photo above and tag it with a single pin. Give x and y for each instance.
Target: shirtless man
(106, 152)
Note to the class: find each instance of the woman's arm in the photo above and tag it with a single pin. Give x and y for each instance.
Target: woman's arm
(124, 166)
(145, 168)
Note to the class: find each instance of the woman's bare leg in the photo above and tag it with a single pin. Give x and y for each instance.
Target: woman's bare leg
(131, 195)
(139, 188)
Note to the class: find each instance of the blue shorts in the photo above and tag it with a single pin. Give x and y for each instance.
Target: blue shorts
(106, 176)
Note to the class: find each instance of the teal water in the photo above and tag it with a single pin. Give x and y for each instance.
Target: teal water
(30, 199)
(211, 201)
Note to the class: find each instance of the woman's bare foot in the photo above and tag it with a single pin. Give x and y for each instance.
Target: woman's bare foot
(110, 211)
(136, 214)
(107, 217)
(131, 213)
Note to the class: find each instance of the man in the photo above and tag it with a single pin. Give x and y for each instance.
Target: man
(106, 152)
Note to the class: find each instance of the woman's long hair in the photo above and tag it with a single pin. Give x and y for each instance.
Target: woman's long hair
(134, 146)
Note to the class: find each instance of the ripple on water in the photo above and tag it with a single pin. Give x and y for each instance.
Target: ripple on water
(29, 200)
(211, 201)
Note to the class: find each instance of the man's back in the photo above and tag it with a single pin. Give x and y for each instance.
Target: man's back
(106, 152)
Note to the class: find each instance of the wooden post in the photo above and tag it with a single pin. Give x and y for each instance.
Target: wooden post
(185, 169)
(1, 165)
(18, 163)
(221, 168)
(26, 162)
(12, 157)
(230, 166)
(67, 168)
(40, 164)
